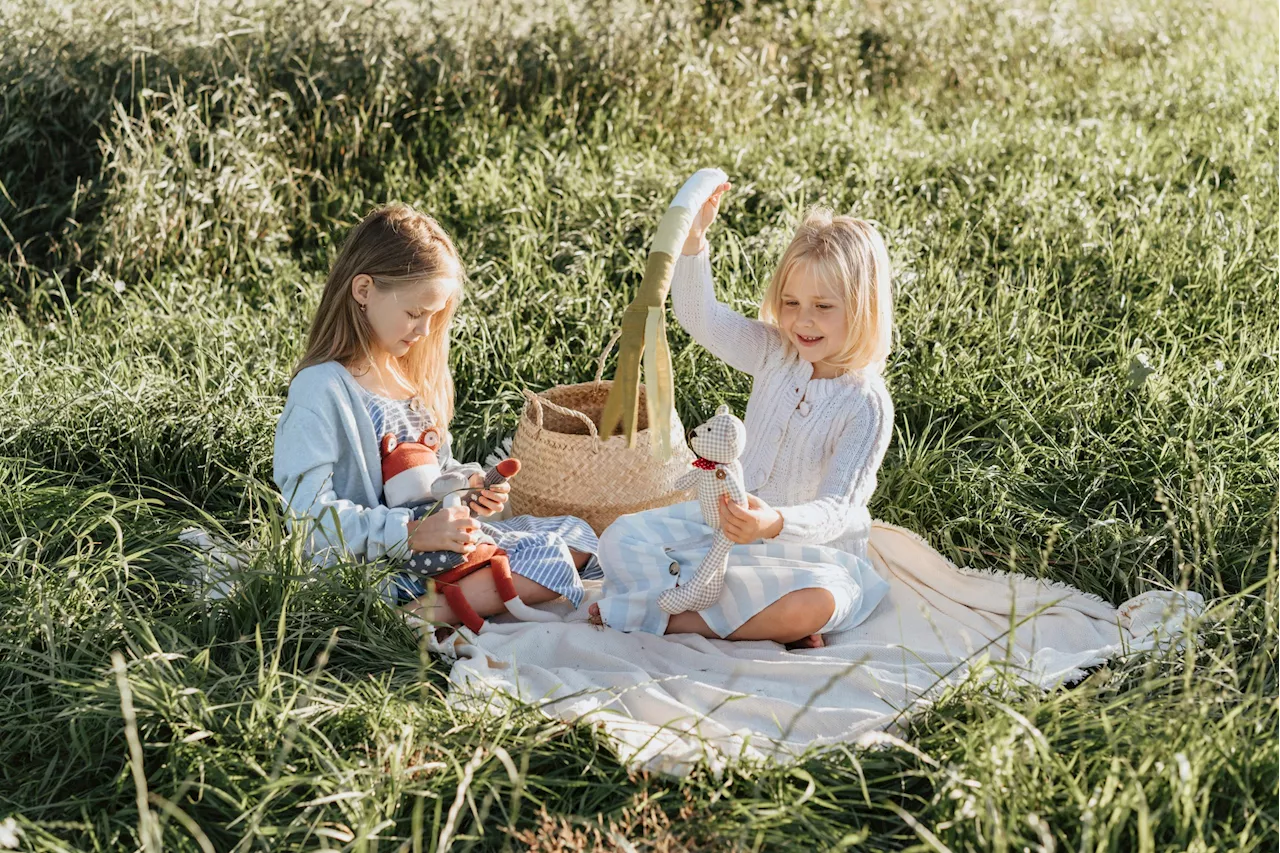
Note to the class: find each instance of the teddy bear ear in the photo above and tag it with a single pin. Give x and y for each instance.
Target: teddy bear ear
(388, 443)
(723, 409)
(430, 437)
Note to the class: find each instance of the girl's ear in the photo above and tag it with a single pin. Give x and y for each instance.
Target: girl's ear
(360, 286)
(388, 443)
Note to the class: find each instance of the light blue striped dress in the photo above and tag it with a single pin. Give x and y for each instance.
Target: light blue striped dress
(538, 548)
(641, 566)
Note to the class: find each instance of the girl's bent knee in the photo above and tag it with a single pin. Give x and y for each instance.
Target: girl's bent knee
(807, 611)
(532, 592)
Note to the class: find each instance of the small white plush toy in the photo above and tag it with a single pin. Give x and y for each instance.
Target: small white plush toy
(719, 444)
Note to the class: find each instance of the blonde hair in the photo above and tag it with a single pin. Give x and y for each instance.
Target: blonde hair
(851, 256)
(397, 247)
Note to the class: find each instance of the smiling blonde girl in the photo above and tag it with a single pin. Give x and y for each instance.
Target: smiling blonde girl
(818, 424)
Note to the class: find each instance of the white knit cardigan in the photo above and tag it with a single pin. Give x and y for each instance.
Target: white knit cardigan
(813, 445)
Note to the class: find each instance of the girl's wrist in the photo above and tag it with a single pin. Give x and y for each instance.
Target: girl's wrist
(775, 527)
(411, 529)
(694, 246)
(425, 540)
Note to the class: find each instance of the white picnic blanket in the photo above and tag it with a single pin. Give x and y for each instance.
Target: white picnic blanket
(668, 703)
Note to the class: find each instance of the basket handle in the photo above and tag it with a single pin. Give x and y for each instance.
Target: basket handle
(608, 348)
(538, 402)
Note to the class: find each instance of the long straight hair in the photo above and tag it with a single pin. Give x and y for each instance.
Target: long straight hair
(398, 247)
(851, 256)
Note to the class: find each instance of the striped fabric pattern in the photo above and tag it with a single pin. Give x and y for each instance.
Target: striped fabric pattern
(405, 419)
(639, 567)
(538, 549)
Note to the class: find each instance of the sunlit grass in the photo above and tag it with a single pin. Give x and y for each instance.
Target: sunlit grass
(1080, 202)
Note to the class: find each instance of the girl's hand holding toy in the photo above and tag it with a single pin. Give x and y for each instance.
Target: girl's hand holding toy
(490, 500)
(451, 528)
(744, 525)
(642, 341)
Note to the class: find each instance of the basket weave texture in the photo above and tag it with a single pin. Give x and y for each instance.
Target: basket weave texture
(565, 469)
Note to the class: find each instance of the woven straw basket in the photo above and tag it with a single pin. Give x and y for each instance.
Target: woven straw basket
(565, 469)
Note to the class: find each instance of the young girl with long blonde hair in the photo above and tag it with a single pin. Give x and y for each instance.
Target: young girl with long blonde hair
(818, 423)
(377, 363)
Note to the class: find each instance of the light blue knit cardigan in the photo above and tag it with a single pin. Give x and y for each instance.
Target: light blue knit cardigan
(329, 471)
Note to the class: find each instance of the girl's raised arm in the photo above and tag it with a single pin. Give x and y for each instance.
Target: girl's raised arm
(305, 456)
(741, 343)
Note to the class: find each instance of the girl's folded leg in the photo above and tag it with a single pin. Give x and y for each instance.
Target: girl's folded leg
(637, 564)
(548, 561)
(557, 552)
(795, 616)
(543, 568)
(482, 594)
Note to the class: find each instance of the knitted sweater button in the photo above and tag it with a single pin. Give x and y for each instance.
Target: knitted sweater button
(674, 568)
(803, 408)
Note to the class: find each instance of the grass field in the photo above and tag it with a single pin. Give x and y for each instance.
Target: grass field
(1080, 201)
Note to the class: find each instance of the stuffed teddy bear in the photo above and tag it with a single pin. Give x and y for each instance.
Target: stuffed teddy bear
(719, 444)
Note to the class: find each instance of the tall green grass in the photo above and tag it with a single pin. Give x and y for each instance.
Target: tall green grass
(1080, 202)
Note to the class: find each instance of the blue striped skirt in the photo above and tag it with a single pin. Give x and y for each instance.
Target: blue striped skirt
(639, 562)
(538, 549)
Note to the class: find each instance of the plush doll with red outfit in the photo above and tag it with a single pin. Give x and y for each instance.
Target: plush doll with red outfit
(411, 477)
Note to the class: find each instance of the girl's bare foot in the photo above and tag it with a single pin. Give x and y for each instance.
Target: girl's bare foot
(813, 641)
(595, 619)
